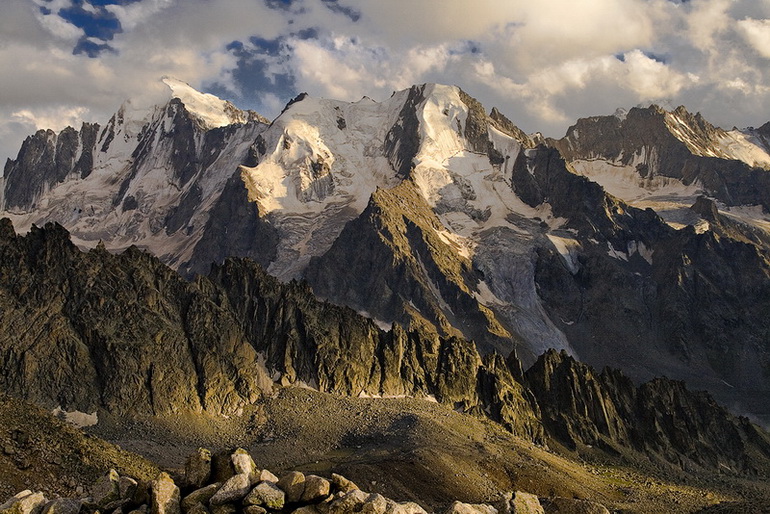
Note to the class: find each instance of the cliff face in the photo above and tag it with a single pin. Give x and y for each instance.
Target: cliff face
(660, 418)
(126, 334)
(92, 330)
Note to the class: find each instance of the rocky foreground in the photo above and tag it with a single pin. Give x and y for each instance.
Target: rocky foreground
(230, 483)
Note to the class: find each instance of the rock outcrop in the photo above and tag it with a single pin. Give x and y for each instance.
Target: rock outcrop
(660, 418)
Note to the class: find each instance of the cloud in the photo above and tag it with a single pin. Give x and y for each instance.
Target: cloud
(757, 35)
(543, 63)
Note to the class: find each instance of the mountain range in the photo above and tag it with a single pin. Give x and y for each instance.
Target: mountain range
(637, 241)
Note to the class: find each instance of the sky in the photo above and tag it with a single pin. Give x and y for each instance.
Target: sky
(543, 63)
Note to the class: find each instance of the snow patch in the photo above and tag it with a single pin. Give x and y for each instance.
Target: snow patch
(746, 147)
(77, 418)
(645, 253)
(568, 249)
(212, 111)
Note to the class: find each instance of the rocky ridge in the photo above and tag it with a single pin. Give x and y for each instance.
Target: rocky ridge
(234, 336)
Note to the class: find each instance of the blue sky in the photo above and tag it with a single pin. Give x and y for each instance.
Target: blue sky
(544, 64)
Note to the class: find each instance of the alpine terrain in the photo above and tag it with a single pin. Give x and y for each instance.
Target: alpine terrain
(408, 287)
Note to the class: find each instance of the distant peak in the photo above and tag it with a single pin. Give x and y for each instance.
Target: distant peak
(210, 110)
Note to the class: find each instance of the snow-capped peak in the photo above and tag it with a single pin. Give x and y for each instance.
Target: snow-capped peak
(211, 111)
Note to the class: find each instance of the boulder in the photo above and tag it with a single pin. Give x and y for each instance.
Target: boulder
(343, 484)
(375, 504)
(127, 487)
(254, 509)
(350, 502)
(197, 468)
(525, 503)
(106, 489)
(164, 496)
(470, 508)
(233, 490)
(266, 494)
(316, 489)
(307, 509)
(405, 508)
(293, 484)
(225, 508)
(243, 463)
(266, 476)
(62, 506)
(198, 508)
(25, 502)
(202, 496)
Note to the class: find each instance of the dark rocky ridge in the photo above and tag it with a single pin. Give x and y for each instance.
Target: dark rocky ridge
(661, 418)
(84, 330)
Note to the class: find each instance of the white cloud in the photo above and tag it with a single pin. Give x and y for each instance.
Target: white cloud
(757, 34)
(131, 15)
(542, 63)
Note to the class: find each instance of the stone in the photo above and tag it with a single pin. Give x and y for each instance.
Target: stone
(307, 509)
(221, 467)
(266, 476)
(164, 496)
(142, 509)
(225, 508)
(254, 509)
(233, 490)
(202, 496)
(560, 505)
(375, 504)
(316, 489)
(198, 508)
(141, 494)
(350, 502)
(25, 502)
(525, 503)
(470, 508)
(106, 489)
(114, 506)
(343, 484)
(266, 494)
(243, 463)
(293, 484)
(405, 508)
(127, 487)
(62, 506)
(197, 468)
